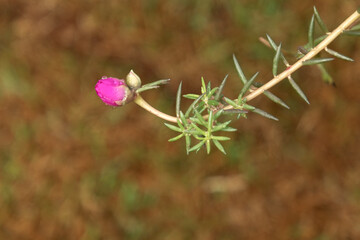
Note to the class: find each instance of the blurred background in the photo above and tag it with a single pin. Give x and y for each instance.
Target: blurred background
(73, 168)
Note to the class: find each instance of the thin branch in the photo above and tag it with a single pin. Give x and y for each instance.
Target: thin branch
(284, 75)
(142, 103)
(321, 46)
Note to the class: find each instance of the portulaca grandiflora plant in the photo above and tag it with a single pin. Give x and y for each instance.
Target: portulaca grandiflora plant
(202, 120)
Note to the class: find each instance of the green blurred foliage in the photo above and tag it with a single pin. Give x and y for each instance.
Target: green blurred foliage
(73, 168)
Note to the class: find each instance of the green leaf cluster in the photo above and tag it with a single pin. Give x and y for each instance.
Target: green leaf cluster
(202, 121)
(314, 41)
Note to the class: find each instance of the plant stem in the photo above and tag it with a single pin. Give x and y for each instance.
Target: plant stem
(142, 103)
(285, 74)
(321, 46)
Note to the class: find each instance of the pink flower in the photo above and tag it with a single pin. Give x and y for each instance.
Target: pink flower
(113, 91)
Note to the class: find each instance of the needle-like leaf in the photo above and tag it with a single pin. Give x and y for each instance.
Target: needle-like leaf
(176, 138)
(356, 27)
(338, 55)
(219, 146)
(193, 104)
(159, 82)
(200, 118)
(311, 32)
(220, 138)
(183, 119)
(320, 21)
(220, 126)
(178, 100)
(317, 61)
(276, 99)
(208, 146)
(239, 70)
(276, 60)
(271, 96)
(352, 33)
(199, 130)
(218, 114)
(197, 146)
(191, 96)
(264, 114)
(325, 75)
(231, 102)
(172, 127)
(220, 89)
(274, 46)
(247, 86)
(187, 143)
(298, 89)
(210, 121)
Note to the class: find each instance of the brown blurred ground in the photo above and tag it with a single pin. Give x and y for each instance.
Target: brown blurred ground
(73, 168)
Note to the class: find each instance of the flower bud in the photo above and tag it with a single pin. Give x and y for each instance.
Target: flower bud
(113, 91)
(133, 80)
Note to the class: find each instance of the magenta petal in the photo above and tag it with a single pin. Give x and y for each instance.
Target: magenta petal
(112, 91)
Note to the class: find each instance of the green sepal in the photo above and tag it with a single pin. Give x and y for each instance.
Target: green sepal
(317, 61)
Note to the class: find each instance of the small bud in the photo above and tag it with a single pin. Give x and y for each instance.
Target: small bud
(113, 91)
(133, 80)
